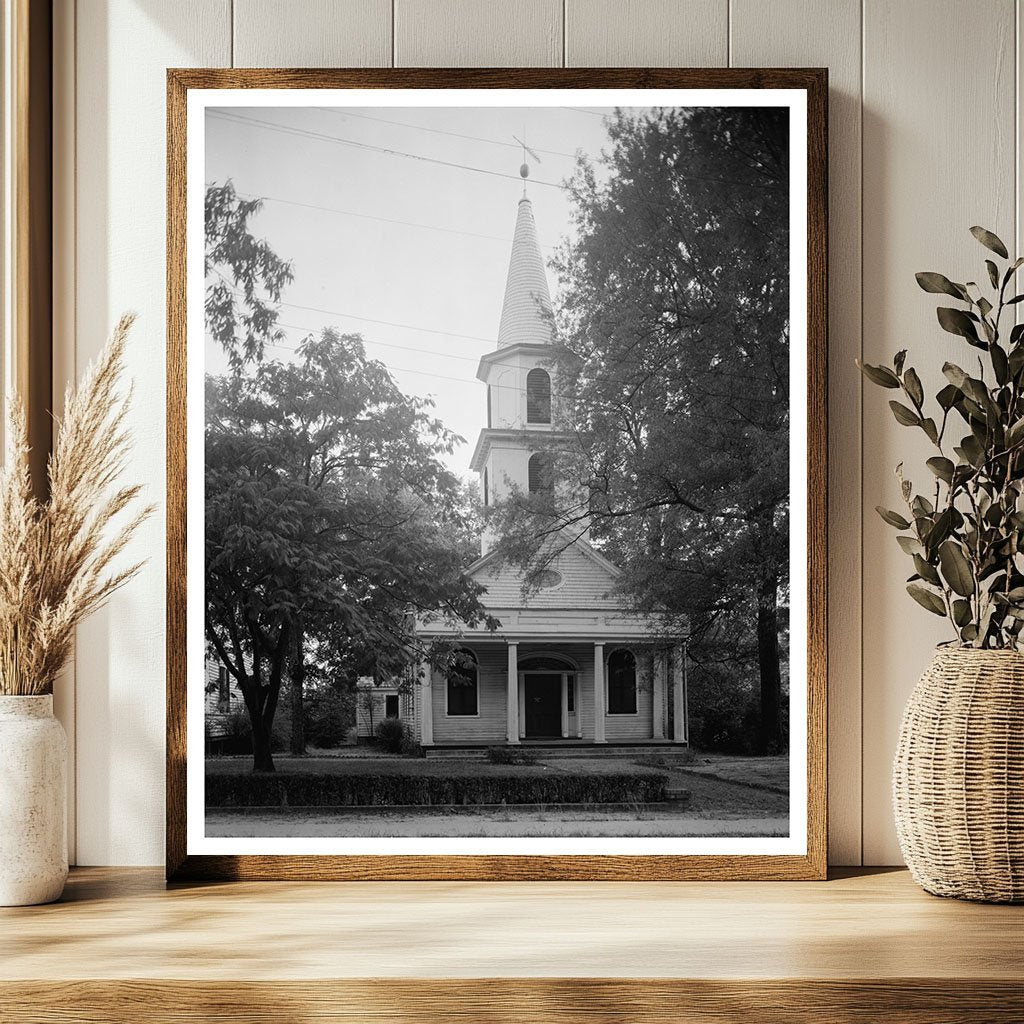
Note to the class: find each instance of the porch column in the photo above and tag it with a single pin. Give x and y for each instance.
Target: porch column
(426, 707)
(565, 706)
(512, 695)
(599, 693)
(660, 672)
(679, 694)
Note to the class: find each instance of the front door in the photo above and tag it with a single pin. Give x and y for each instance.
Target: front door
(543, 693)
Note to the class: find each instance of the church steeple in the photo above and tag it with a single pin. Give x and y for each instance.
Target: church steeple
(513, 450)
(526, 311)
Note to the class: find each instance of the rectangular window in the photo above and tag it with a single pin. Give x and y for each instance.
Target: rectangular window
(570, 694)
(462, 697)
(486, 496)
(223, 689)
(391, 705)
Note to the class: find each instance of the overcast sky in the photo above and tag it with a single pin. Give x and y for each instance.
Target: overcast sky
(384, 237)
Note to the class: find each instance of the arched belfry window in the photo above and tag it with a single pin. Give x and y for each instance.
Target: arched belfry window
(538, 396)
(621, 683)
(541, 474)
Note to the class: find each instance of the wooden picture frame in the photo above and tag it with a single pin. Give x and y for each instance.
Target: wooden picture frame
(810, 864)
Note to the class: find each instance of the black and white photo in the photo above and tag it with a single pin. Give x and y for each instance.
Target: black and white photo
(497, 472)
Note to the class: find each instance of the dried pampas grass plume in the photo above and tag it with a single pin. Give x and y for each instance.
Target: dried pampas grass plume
(56, 556)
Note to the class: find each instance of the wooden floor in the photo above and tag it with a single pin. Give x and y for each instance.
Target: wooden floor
(861, 947)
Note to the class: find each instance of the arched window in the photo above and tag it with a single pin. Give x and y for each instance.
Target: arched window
(621, 683)
(541, 474)
(538, 396)
(462, 684)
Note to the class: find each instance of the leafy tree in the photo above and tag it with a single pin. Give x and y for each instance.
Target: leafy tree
(244, 277)
(330, 520)
(671, 369)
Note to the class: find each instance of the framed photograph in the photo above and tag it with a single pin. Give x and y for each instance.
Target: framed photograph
(496, 474)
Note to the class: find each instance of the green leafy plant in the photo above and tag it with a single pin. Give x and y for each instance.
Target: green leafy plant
(965, 531)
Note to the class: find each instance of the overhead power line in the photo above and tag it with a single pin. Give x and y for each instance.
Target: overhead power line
(323, 137)
(385, 220)
(345, 112)
(469, 359)
(387, 323)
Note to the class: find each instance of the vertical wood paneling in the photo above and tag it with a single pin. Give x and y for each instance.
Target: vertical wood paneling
(939, 155)
(312, 33)
(941, 151)
(646, 33)
(790, 33)
(64, 356)
(478, 33)
(122, 53)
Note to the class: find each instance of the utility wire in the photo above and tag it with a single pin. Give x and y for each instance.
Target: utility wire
(385, 220)
(345, 112)
(309, 133)
(423, 330)
(385, 323)
(469, 359)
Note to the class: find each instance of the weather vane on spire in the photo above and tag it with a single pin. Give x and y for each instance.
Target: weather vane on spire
(524, 169)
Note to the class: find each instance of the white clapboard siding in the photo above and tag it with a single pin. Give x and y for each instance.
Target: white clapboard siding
(938, 157)
(478, 33)
(489, 724)
(791, 33)
(585, 585)
(312, 33)
(122, 53)
(646, 33)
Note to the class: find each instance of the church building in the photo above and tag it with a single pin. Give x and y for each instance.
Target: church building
(569, 665)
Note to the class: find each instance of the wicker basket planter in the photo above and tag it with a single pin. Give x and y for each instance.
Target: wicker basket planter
(958, 777)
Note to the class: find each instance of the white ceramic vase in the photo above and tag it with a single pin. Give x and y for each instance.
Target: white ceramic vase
(33, 802)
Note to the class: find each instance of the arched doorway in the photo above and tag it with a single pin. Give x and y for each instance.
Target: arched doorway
(548, 700)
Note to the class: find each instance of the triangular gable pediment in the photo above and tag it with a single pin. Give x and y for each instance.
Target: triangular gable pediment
(585, 578)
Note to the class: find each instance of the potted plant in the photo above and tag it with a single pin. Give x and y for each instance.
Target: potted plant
(56, 566)
(958, 780)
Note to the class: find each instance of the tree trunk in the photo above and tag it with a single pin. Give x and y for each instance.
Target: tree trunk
(262, 758)
(770, 739)
(297, 741)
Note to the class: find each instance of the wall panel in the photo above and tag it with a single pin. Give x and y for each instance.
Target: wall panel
(646, 33)
(478, 33)
(937, 137)
(787, 33)
(312, 33)
(122, 52)
(939, 154)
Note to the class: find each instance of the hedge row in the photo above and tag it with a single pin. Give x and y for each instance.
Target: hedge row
(293, 789)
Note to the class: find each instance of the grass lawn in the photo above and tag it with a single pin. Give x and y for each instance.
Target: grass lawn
(764, 772)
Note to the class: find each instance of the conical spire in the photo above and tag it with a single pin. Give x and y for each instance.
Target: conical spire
(526, 313)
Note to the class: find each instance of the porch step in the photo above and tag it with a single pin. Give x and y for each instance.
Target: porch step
(548, 752)
(455, 753)
(602, 750)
